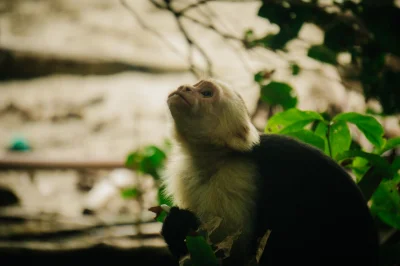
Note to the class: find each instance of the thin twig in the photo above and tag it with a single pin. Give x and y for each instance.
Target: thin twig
(212, 27)
(190, 41)
(156, 33)
(328, 139)
(146, 27)
(202, 2)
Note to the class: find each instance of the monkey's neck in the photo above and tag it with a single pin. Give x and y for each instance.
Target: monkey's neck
(208, 157)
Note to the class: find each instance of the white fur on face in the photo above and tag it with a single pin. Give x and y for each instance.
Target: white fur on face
(224, 122)
(236, 126)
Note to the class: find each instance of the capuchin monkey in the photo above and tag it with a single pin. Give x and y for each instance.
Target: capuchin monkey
(223, 167)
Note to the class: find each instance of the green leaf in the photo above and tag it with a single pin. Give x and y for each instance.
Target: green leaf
(259, 77)
(133, 160)
(276, 13)
(321, 131)
(152, 160)
(360, 166)
(386, 203)
(295, 69)
(277, 93)
(308, 137)
(396, 164)
(368, 125)
(248, 34)
(289, 18)
(380, 170)
(295, 126)
(148, 160)
(339, 138)
(323, 54)
(129, 193)
(374, 159)
(200, 251)
(289, 118)
(162, 199)
(390, 144)
(161, 214)
(160, 218)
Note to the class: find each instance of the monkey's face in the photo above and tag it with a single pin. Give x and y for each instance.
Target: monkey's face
(210, 112)
(194, 100)
(197, 108)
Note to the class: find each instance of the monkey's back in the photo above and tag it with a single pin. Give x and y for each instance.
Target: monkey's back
(316, 213)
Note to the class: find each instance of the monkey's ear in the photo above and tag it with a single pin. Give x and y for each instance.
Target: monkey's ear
(244, 138)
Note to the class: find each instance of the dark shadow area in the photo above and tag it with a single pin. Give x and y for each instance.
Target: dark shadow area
(97, 255)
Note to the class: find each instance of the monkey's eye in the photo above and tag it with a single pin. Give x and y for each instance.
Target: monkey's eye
(207, 94)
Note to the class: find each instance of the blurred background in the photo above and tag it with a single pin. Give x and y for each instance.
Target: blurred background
(83, 87)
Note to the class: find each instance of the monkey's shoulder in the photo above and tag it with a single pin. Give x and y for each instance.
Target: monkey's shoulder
(272, 144)
(302, 171)
(282, 154)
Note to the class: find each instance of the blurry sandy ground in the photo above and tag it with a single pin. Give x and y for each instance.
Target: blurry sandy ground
(67, 116)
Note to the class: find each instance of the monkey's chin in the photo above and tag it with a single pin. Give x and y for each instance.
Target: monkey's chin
(178, 104)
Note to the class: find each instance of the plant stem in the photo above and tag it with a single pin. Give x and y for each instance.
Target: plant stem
(327, 138)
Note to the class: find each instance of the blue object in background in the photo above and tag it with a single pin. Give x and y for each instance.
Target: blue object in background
(19, 144)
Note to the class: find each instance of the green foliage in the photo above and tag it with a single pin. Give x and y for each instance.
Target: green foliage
(373, 175)
(386, 202)
(308, 137)
(295, 69)
(374, 159)
(333, 137)
(376, 177)
(261, 76)
(368, 125)
(323, 54)
(291, 120)
(278, 13)
(277, 93)
(366, 30)
(201, 253)
(396, 164)
(322, 131)
(148, 161)
(339, 138)
(129, 193)
(389, 145)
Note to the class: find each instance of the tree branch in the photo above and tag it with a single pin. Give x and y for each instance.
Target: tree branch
(202, 2)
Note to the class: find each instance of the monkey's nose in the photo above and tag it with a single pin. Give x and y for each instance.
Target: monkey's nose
(185, 88)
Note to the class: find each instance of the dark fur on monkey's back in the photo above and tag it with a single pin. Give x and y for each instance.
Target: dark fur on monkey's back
(315, 211)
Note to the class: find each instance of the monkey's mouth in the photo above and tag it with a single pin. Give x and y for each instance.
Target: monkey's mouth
(179, 94)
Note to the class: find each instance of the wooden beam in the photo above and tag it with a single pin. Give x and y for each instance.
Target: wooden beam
(16, 163)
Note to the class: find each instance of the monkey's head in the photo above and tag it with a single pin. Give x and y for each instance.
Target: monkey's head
(210, 112)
